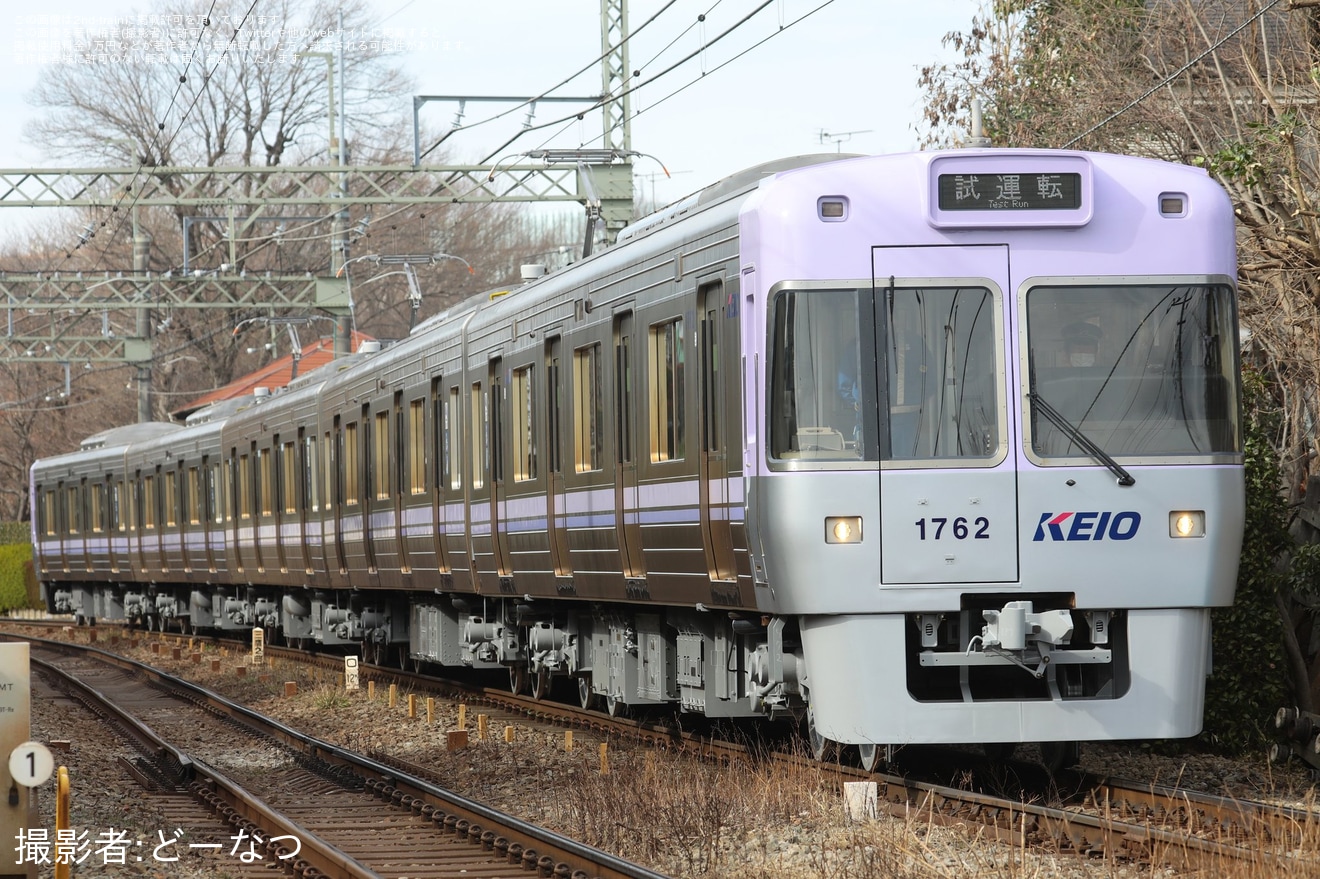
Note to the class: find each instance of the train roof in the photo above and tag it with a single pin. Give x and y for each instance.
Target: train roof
(128, 434)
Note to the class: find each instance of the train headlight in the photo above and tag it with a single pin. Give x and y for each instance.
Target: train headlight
(1187, 523)
(843, 529)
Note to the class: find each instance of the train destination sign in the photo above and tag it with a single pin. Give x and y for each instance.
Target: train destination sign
(1010, 192)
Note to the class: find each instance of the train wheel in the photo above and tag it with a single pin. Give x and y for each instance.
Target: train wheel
(517, 679)
(541, 684)
(870, 756)
(615, 707)
(373, 653)
(585, 696)
(822, 749)
(1059, 755)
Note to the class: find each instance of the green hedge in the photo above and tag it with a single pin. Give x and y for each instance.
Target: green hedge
(15, 568)
(15, 532)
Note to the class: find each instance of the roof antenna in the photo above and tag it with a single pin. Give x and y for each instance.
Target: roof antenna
(977, 138)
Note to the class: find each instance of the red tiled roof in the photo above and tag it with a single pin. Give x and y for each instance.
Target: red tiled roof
(276, 374)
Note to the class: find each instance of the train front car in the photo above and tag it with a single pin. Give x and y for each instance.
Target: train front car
(998, 477)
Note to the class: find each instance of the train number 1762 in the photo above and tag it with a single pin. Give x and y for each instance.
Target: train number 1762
(942, 527)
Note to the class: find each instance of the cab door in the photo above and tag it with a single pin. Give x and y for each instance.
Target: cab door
(948, 480)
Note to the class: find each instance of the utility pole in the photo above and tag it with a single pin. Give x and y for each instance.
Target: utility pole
(142, 322)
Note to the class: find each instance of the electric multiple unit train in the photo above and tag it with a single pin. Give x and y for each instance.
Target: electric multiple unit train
(930, 448)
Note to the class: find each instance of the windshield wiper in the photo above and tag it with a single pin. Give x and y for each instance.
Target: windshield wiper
(1075, 434)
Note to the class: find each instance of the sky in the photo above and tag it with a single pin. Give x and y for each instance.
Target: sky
(829, 75)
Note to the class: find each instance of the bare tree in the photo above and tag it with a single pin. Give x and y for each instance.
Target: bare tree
(220, 86)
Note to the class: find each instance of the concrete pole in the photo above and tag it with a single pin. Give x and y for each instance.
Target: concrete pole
(141, 251)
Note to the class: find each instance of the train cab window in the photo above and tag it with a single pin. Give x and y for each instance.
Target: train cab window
(524, 425)
(1137, 369)
(665, 403)
(906, 373)
(417, 447)
(588, 411)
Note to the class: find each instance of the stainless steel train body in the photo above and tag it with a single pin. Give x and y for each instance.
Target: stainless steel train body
(940, 447)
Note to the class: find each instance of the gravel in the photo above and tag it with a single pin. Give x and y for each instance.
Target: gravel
(656, 809)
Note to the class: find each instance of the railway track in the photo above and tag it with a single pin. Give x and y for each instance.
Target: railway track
(319, 810)
(1079, 814)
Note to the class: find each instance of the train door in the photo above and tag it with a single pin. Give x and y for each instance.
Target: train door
(403, 479)
(627, 498)
(210, 501)
(556, 499)
(439, 488)
(948, 480)
(716, 497)
(305, 493)
(118, 525)
(497, 414)
(339, 491)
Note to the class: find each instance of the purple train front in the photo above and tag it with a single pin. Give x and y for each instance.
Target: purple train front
(939, 447)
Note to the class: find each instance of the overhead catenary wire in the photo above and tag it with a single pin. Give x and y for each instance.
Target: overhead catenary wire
(1164, 83)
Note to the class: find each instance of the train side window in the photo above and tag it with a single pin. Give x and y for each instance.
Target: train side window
(265, 483)
(171, 515)
(453, 441)
(132, 498)
(588, 416)
(289, 477)
(73, 520)
(665, 393)
(382, 471)
(244, 487)
(436, 451)
(310, 470)
(97, 508)
(553, 408)
(328, 469)
(480, 437)
(192, 500)
(48, 514)
(524, 425)
(352, 464)
(149, 503)
(117, 506)
(211, 509)
(416, 447)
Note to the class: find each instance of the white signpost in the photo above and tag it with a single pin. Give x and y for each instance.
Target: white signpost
(29, 763)
(351, 673)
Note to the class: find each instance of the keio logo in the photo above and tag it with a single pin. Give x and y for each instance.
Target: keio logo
(1088, 526)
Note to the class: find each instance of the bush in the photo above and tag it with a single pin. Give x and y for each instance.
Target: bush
(1249, 679)
(15, 562)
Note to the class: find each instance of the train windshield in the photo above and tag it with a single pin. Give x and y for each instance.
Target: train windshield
(935, 348)
(1139, 370)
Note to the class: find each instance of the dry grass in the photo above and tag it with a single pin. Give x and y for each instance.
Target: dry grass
(686, 818)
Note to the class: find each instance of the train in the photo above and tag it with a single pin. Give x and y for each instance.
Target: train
(937, 447)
